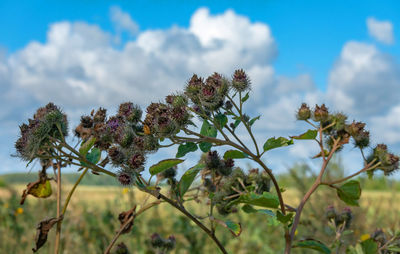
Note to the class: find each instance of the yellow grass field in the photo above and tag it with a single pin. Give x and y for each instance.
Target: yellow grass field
(91, 221)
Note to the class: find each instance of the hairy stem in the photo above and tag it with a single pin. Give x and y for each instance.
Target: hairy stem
(58, 229)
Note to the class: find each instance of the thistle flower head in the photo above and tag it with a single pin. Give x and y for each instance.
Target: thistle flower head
(355, 128)
(240, 81)
(213, 92)
(100, 115)
(115, 123)
(136, 161)
(116, 155)
(212, 160)
(160, 121)
(304, 112)
(338, 120)
(48, 121)
(125, 178)
(193, 88)
(156, 241)
(131, 112)
(320, 113)
(388, 161)
(169, 243)
(167, 174)
(346, 216)
(87, 121)
(330, 212)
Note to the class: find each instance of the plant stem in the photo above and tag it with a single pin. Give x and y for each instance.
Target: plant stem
(253, 156)
(259, 161)
(119, 232)
(58, 229)
(369, 166)
(198, 223)
(72, 191)
(313, 187)
(245, 123)
(159, 196)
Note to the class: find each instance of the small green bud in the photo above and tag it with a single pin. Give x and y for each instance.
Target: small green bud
(304, 112)
(156, 241)
(330, 212)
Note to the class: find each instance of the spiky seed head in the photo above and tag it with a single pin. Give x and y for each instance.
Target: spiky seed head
(240, 81)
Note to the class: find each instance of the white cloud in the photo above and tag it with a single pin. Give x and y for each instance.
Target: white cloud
(79, 68)
(123, 21)
(380, 30)
(387, 128)
(364, 81)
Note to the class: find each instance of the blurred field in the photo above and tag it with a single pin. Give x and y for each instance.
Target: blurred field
(91, 221)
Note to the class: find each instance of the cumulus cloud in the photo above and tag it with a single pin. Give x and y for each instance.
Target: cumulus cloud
(364, 81)
(123, 21)
(386, 128)
(380, 30)
(79, 67)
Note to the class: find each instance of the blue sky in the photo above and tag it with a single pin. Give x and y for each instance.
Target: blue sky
(309, 34)
(76, 53)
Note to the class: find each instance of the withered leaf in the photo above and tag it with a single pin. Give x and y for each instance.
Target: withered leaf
(42, 231)
(40, 189)
(124, 217)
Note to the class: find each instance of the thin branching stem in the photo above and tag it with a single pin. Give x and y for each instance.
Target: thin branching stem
(58, 228)
(72, 191)
(244, 122)
(130, 220)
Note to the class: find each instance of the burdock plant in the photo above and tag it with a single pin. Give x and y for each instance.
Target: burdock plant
(119, 146)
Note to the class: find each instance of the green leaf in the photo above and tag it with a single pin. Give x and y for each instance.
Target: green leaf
(221, 120)
(245, 98)
(234, 154)
(236, 123)
(310, 134)
(267, 212)
(234, 227)
(204, 128)
(393, 248)
(184, 149)
(249, 209)
(188, 178)
(85, 147)
(253, 120)
(350, 192)
(164, 165)
(277, 142)
(208, 130)
(369, 246)
(284, 218)
(314, 245)
(94, 155)
(265, 200)
(205, 146)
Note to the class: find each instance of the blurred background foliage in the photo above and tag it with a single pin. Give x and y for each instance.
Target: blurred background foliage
(92, 219)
